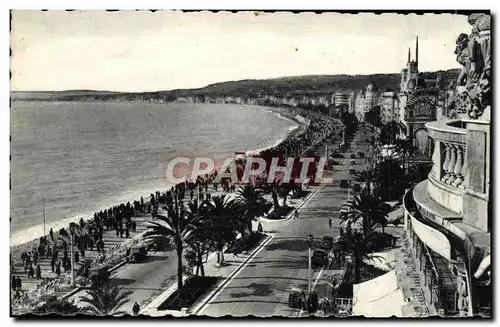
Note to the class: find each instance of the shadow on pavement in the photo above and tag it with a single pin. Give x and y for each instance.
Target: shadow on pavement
(289, 245)
(258, 289)
(248, 301)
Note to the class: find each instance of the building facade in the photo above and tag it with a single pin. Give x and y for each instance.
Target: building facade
(448, 216)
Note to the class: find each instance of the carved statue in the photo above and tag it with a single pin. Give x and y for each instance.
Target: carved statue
(473, 90)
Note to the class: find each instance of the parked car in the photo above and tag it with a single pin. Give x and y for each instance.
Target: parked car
(137, 253)
(319, 258)
(352, 171)
(352, 162)
(99, 275)
(344, 184)
(327, 242)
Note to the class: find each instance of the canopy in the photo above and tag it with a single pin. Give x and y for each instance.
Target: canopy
(379, 297)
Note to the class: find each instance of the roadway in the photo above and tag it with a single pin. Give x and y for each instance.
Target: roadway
(262, 287)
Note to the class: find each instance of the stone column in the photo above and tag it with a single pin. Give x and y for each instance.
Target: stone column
(436, 159)
(451, 165)
(446, 162)
(458, 166)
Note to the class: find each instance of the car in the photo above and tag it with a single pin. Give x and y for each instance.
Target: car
(352, 162)
(319, 258)
(344, 184)
(327, 242)
(137, 253)
(352, 171)
(352, 156)
(99, 275)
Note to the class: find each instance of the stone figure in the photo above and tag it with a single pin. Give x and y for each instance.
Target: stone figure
(473, 90)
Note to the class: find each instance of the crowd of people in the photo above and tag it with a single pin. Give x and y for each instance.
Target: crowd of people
(89, 235)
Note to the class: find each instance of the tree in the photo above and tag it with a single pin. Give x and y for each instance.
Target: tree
(368, 177)
(252, 202)
(391, 131)
(372, 117)
(225, 219)
(391, 179)
(54, 305)
(105, 300)
(177, 225)
(406, 149)
(367, 208)
(273, 189)
(356, 244)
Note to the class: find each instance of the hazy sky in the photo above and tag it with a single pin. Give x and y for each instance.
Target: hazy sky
(144, 51)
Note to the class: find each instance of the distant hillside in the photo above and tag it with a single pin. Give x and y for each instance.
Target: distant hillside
(310, 84)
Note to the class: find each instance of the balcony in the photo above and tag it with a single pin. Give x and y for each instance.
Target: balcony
(460, 177)
(447, 180)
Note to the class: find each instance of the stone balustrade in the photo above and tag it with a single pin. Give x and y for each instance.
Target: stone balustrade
(448, 177)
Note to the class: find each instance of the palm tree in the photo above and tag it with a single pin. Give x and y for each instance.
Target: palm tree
(367, 208)
(57, 306)
(368, 177)
(406, 149)
(225, 219)
(356, 244)
(177, 224)
(391, 131)
(105, 300)
(252, 202)
(273, 189)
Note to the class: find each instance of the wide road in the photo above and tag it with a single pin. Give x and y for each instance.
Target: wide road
(146, 279)
(262, 287)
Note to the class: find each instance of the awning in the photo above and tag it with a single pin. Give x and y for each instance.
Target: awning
(379, 297)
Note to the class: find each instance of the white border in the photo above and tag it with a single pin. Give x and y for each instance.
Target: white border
(171, 4)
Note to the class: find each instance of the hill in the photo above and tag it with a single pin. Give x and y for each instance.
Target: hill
(293, 85)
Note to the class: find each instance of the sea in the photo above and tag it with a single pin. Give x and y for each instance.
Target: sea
(76, 158)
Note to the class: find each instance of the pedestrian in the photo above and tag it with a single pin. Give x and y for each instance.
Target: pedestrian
(296, 214)
(38, 272)
(52, 264)
(51, 233)
(259, 228)
(58, 269)
(31, 272)
(330, 222)
(136, 309)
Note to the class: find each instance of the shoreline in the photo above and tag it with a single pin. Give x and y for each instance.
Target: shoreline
(28, 245)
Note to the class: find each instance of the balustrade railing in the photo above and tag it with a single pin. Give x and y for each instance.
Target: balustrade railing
(449, 157)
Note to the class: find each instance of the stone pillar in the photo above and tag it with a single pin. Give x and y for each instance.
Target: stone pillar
(436, 159)
(458, 166)
(451, 164)
(446, 162)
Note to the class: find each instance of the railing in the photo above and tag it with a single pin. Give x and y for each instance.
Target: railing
(450, 164)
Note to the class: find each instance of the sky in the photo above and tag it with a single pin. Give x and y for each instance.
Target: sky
(138, 51)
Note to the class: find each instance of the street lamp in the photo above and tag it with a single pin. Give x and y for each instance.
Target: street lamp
(310, 240)
(72, 231)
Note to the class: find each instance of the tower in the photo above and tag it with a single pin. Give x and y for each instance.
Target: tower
(416, 53)
(409, 56)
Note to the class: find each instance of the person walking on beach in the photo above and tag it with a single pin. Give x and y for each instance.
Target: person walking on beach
(136, 309)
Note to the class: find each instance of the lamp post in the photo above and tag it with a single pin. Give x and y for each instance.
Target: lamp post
(310, 240)
(72, 231)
